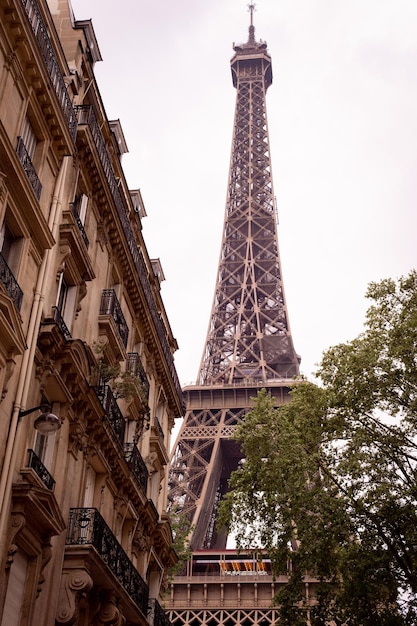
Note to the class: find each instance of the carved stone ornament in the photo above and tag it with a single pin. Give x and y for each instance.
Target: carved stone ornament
(46, 555)
(64, 252)
(18, 522)
(108, 613)
(141, 541)
(10, 365)
(82, 292)
(3, 187)
(14, 66)
(150, 461)
(74, 586)
(78, 439)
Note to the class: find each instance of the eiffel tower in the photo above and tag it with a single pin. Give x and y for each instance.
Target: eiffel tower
(248, 347)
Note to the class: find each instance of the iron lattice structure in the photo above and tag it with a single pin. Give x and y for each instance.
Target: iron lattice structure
(249, 336)
(248, 346)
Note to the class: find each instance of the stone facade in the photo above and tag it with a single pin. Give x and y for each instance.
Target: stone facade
(85, 538)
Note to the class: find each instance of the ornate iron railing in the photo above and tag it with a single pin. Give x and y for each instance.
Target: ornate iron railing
(137, 465)
(36, 464)
(27, 164)
(113, 414)
(86, 116)
(59, 321)
(134, 366)
(110, 305)
(87, 527)
(79, 224)
(10, 283)
(156, 614)
(159, 428)
(48, 54)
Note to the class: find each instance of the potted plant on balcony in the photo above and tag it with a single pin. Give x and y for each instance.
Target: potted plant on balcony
(124, 385)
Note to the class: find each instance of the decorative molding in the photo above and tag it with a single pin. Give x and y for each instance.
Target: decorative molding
(14, 66)
(107, 613)
(18, 522)
(46, 555)
(64, 252)
(8, 371)
(3, 187)
(75, 585)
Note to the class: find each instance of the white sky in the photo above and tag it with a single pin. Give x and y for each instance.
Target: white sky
(342, 114)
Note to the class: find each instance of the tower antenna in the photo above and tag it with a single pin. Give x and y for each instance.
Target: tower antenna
(251, 9)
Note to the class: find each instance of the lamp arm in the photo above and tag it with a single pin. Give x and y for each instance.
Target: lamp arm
(45, 408)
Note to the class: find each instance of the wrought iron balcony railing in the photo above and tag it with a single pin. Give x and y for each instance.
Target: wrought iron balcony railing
(109, 305)
(36, 464)
(87, 527)
(156, 614)
(27, 164)
(79, 224)
(48, 54)
(86, 116)
(113, 414)
(137, 465)
(159, 428)
(59, 321)
(134, 366)
(10, 283)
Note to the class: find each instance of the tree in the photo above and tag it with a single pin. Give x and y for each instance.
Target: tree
(181, 531)
(329, 479)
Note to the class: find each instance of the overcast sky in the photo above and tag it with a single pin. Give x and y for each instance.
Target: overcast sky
(342, 114)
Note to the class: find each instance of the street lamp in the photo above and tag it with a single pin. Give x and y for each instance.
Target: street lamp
(47, 423)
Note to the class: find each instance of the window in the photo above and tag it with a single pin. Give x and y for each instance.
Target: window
(44, 444)
(81, 207)
(79, 211)
(65, 302)
(15, 589)
(44, 448)
(10, 254)
(29, 139)
(6, 240)
(26, 148)
(90, 483)
(10, 245)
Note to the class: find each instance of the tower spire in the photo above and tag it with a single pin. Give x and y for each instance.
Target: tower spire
(251, 8)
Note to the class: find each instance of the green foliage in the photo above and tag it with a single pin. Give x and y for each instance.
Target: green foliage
(329, 479)
(181, 530)
(124, 384)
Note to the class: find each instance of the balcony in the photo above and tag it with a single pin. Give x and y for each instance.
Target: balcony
(112, 323)
(137, 378)
(48, 54)
(137, 465)
(157, 445)
(40, 470)
(86, 527)
(158, 427)
(157, 615)
(10, 283)
(79, 224)
(134, 366)
(59, 321)
(86, 116)
(27, 164)
(72, 234)
(113, 414)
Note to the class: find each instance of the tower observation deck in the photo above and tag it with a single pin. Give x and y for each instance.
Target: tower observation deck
(248, 347)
